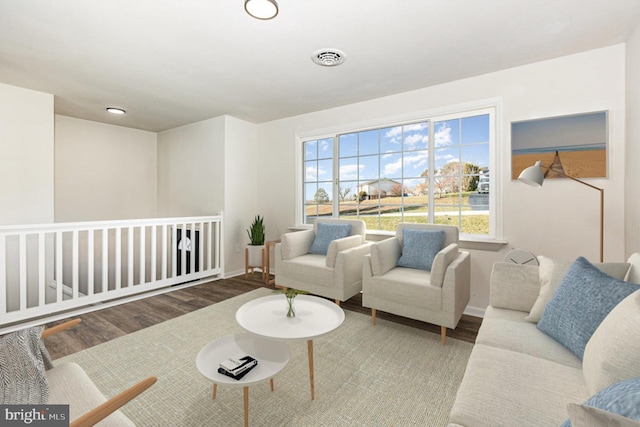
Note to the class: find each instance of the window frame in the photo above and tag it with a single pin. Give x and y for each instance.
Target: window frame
(489, 106)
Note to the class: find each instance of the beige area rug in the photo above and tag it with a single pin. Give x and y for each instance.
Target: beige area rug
(387, 375)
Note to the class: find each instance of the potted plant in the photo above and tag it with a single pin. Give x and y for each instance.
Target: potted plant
(256, 245)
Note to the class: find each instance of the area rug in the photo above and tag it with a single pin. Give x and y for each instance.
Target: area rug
(383, 375)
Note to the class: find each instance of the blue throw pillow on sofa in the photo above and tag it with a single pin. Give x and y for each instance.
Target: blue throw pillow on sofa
(584, 298)
(420, 247)
(621, 398)
(325, 234)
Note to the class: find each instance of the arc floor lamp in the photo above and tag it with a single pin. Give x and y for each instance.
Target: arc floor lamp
(534, 176)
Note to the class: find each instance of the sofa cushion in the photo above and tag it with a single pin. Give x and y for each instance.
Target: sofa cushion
(583, 299)
(22, 361)
(508, 330)
(621, 398)
(588, 416)
(613, 352)
(506, 388)
(552, 271)
(326, 233)
(419, 248)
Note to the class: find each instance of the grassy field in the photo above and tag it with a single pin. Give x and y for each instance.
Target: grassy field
(383, 214)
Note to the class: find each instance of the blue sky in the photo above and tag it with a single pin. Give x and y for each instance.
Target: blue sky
(397, 151)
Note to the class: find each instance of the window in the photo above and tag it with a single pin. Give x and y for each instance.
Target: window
(434, 170)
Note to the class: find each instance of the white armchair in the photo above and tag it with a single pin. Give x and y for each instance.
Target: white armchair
(336, 275)
(438, 296)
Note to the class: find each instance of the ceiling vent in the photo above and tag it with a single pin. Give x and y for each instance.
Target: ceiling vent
(329, 57)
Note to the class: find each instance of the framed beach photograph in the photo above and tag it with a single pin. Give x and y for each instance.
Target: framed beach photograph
(575, 144)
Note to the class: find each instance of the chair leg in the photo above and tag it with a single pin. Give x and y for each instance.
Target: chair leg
(443, 334)
(373, 316)
(338, 302)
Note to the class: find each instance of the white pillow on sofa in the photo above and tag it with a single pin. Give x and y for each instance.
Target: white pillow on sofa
(613, 352)
(553, 270)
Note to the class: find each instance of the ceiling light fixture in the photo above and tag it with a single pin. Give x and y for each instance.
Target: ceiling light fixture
(261, 9)
(115, 110)
(328, 57)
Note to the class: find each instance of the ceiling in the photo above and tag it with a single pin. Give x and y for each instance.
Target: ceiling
(175, 62)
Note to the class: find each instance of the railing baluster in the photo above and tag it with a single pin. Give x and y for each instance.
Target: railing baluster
(154, 251)
(105, 261)
(90, 262)
(200, 247)
(3, 274)
(59, 271)
(23, 270)
(75, 264)
(163, 261)
(143, 259)
(42, 286)
(174, 250)
(130, 257)
(118, 255)
(192, 248)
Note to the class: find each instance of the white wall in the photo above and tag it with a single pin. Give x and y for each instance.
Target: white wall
(632, 169)
(191, 169)
(559, 220)
(103, 172)
(26, 156)
(241, 190)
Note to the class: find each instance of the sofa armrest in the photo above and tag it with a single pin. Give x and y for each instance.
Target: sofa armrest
(339, 245)
(348, 269)
(385, 255)
(514, 286)
(296, 243)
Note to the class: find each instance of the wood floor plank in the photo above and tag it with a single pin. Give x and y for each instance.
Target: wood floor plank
(113, 322)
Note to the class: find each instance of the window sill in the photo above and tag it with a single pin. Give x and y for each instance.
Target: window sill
(466, 242)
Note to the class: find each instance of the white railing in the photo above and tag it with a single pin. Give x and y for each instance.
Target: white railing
(53, 268)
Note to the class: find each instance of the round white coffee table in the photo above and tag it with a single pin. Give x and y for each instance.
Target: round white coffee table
(272, 356)
(267, 317)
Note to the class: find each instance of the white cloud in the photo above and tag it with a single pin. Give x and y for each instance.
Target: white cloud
(410, 161)
(350, 171)
(414, 139)
(443, 135)
(313, 173)
(324, 145)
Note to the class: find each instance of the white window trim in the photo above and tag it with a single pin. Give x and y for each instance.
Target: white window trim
(435, 114)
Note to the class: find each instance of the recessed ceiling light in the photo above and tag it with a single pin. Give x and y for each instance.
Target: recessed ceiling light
(261, 9)
(328, 57)
(115, 110)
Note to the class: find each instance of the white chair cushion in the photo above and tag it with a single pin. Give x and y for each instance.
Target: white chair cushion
(407, 285)
(70, 385)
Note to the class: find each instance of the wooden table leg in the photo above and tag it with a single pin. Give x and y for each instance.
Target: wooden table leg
(271, 383)
(246, 406)
(215, 389)
(310, 351)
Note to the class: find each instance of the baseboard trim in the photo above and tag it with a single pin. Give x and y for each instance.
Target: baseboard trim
(474, 311)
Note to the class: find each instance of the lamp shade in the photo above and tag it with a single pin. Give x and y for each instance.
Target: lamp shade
(261, 9)
(532, 175)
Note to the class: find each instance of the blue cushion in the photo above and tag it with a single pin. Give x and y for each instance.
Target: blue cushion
(621, 398)
(326, 234)
(419, 248)
(584, 298)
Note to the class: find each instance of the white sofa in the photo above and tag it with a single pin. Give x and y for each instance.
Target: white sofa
(519, 376)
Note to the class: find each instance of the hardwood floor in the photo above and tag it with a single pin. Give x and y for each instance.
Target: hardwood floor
(110, 323)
